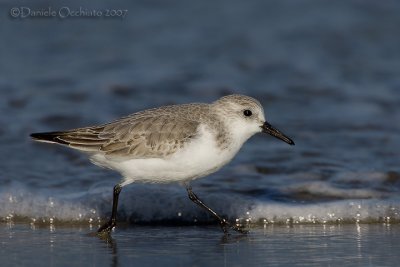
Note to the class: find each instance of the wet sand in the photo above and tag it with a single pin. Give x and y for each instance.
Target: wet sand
(274, 245)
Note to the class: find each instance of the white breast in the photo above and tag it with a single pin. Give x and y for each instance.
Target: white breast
(199, 158)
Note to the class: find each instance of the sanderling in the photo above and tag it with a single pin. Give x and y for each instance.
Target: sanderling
(177, 143)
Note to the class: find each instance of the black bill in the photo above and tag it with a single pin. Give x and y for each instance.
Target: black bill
(267, 128)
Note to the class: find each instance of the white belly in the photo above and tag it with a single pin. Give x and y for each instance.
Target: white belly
(199, 158)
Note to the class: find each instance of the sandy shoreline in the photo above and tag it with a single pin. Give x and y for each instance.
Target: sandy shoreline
(274, 245)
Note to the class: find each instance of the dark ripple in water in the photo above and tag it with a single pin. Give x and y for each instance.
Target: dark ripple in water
(60, 121)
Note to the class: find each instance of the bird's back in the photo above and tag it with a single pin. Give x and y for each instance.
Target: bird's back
(150, 133)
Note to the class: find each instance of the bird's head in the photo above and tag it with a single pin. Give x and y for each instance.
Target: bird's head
(245, 116)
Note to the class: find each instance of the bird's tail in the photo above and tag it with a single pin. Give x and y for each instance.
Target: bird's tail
(49, 137)
(85, 139)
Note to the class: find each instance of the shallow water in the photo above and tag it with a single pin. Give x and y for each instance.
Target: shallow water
(326, 73)
(316, 245)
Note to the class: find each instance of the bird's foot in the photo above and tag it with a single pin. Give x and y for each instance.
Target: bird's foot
(225, 225)
(106, 228)
(240, 228)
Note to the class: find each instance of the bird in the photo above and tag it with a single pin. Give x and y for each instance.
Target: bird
(174, 143)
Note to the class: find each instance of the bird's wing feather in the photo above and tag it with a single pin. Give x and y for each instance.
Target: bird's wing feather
(148, 137)
(145, 135)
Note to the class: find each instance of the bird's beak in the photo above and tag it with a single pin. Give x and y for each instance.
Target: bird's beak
(267, 128)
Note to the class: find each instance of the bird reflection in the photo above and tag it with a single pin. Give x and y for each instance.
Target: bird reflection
(110, 243)
(229, 239)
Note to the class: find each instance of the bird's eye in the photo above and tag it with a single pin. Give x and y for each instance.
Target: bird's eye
(247, 113)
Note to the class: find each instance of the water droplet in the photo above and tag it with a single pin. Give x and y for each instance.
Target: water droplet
(51, 202)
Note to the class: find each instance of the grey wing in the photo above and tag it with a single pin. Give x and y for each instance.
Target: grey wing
(148, 137)
(142, 137)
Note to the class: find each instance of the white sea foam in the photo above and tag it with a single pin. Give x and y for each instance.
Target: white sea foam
(366, 211)
(153, 203)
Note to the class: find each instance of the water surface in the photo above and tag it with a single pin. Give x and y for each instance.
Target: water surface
(316, 245)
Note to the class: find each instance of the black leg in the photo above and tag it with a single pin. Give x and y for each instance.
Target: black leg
(223, 222)
(108, 226)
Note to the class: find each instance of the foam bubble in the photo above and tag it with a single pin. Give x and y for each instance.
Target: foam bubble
(169, 203)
